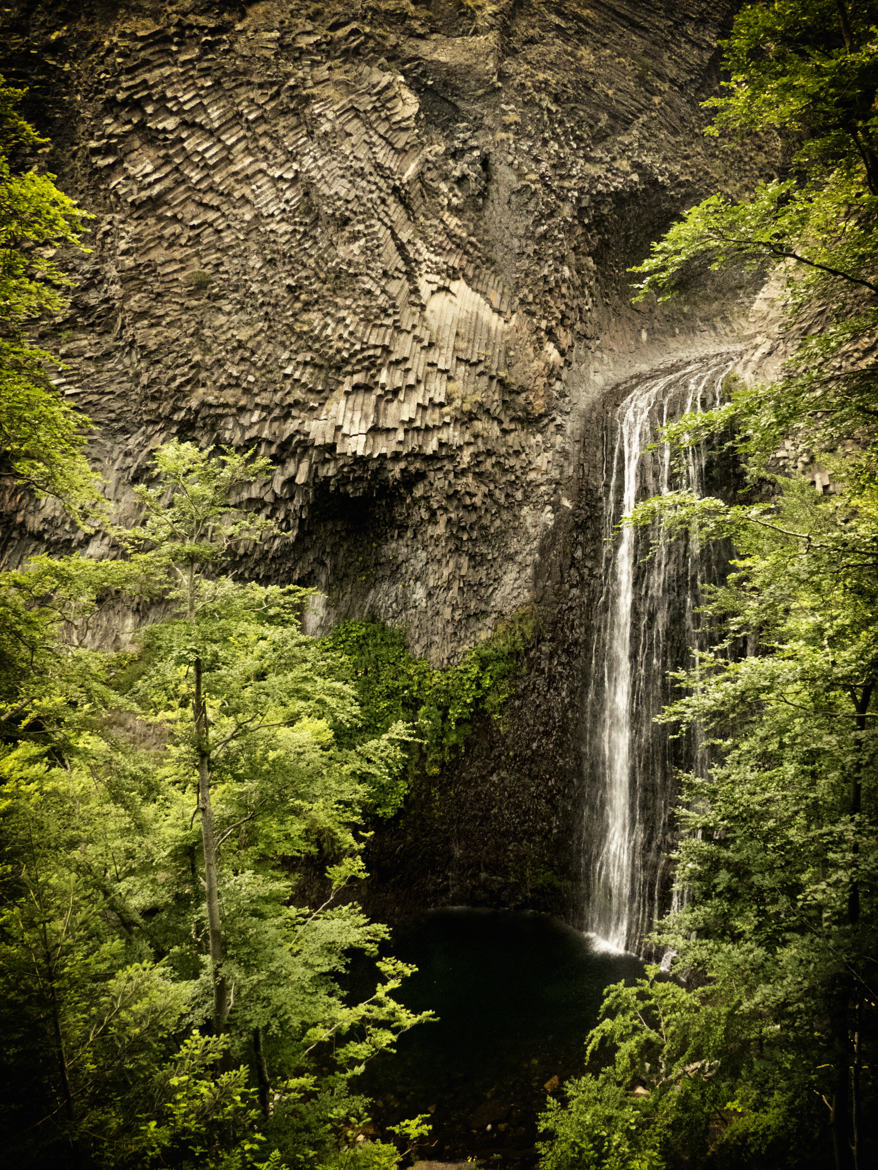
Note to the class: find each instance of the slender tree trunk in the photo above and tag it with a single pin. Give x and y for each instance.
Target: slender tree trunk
(208, 849)
(846, 1105)
(869, 157)
(57, 1030)
(855, 1081)
(262, 1081)
(845, 22)
(842, 1150)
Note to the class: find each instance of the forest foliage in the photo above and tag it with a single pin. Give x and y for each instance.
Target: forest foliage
(441, 704)
(184, 818)
(183, 815)
(41, 437)
(760, 1049)
(183, 822)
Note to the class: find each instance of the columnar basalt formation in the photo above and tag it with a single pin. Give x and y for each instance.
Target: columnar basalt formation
(379, 242)
(384, 243)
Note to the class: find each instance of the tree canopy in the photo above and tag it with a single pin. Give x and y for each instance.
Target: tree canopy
(183, 828)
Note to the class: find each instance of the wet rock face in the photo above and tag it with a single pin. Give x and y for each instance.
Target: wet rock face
(382, 243)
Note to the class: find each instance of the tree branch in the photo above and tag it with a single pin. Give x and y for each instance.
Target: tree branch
(790, 255)
(228, 832)
(761, 247)
(243, 729)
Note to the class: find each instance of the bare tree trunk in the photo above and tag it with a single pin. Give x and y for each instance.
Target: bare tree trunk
(845, 1103)
(262, 1081)
(208, 849)
(57, 1031)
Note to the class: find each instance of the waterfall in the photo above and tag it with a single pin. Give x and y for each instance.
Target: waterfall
(646, 625)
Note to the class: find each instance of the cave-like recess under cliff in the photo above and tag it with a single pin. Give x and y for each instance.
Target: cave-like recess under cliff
(385, 243)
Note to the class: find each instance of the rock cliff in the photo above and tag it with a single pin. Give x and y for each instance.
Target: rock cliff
(384, 242)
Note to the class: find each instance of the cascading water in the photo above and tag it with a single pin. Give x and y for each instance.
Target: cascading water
(646, 626)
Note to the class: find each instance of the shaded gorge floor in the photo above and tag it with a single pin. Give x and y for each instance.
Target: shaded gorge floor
(516, 994)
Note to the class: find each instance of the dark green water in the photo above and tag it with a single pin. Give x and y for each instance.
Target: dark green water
(516, 995)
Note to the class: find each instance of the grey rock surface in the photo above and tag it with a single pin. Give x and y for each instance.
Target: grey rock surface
(382, 243)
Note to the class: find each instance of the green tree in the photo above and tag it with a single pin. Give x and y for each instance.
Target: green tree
(254, 707)
(84, 1004)
(779, 856)
(777, 864)
(41, 436)
(808, 74)
(170, 814)
(778, 861)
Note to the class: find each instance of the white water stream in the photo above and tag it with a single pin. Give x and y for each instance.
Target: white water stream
(646, 626)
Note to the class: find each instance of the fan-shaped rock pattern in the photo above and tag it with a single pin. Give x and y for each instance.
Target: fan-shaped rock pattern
(377, 242)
